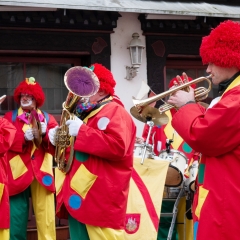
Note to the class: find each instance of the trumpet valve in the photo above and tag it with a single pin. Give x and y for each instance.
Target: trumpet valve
(165, 107)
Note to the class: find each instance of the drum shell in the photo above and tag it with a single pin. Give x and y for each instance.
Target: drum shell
(177, 166)
(190, 181)
(139, 150)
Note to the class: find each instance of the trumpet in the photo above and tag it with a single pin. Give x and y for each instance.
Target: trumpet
(200, 93)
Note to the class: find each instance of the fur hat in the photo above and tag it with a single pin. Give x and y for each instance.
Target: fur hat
(31, 87)
(171, 83)
(107, 82)
(222, 45)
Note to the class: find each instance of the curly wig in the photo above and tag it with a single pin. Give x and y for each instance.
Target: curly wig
(222, 45)
(107, 82)
(31, 87)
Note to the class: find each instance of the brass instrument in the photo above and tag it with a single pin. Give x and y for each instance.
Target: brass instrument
(82, 83)
(37, 128)
(199, 93)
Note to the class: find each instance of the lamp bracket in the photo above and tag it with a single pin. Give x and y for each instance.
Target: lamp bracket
(131, 72)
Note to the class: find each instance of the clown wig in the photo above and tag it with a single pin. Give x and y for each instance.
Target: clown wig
(107, 82)
(31, 87)
(222, 45)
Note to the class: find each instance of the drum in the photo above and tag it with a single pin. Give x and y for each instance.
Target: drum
(177, 166)
(190, 182)
(139, 150)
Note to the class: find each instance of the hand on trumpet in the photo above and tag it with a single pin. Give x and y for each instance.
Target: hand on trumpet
(181, 97)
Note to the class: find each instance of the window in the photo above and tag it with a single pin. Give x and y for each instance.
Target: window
(48, 72)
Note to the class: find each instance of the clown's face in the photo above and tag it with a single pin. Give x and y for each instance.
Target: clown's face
(220, 74)
(27, 101)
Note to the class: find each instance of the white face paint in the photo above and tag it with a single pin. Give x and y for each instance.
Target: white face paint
(26, 103)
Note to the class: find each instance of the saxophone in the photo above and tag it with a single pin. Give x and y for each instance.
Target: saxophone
(82, 83)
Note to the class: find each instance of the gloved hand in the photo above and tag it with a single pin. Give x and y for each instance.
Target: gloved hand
(52, 134)
(28, 135)
(44, 127)
(74, 126)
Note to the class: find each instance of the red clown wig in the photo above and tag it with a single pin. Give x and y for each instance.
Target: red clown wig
(222, 45)
(107, 82)
(31, 87)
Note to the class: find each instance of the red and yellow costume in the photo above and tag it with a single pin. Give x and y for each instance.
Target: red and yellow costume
(29, 170)
(31, 162)
(7, 134)
(218, 191)
(214, 133)
(95, 190)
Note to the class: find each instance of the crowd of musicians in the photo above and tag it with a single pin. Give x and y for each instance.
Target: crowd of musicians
(97, 169)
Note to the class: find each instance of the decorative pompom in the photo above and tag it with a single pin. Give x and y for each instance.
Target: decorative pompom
(31, 80)
(81, 81)
(107, 82)
(28, 86)
(222, 45)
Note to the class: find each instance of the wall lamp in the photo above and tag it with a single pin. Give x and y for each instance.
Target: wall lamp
(136, 49)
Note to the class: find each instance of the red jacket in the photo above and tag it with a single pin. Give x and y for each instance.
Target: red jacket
(95, 190)
(7, 134)
(215, 133)
(26, 163)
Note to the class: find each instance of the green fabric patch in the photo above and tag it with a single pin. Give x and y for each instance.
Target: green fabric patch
(201, 171)
(186, 148)
(82, 157)
(77, 229)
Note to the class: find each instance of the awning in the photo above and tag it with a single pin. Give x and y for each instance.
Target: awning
(136, 6)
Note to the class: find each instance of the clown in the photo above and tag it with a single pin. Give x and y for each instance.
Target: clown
(29, 165)
(7, 134)
(94, 192)
(159, 137)
(214, 133)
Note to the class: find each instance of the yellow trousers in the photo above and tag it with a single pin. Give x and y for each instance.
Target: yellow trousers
(44, 209)
(104, 233)
(185, 231)
(4, 234)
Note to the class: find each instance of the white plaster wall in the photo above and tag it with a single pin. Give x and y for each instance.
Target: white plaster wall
(120, 58)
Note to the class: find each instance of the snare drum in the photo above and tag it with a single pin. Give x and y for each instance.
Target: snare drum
(177, 166)
(190, 182)
(139, 150)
